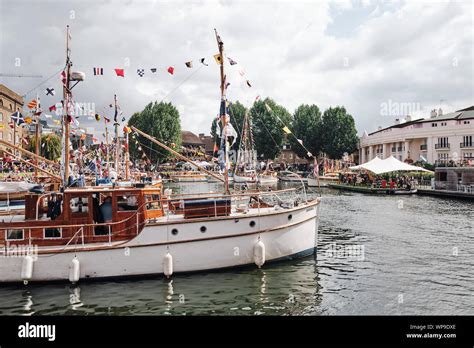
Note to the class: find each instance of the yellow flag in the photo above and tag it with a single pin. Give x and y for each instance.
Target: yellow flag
(28, 120)
(218, 58)
(1, 126)
(286, 130)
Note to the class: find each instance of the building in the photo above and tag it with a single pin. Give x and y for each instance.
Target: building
(288, 156)
(192, 144)
(9, 103)
(439, 139)
(208, 142)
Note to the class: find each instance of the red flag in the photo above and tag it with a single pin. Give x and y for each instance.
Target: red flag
(171, 70)
(52, 108)
(120, 72)
(64, 77)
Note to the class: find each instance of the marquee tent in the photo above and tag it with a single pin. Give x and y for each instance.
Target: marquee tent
(390, 164)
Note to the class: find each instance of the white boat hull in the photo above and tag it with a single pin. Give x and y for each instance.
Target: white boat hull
(239, 179)
(286, 233)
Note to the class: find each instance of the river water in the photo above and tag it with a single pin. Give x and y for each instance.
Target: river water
(377, 255)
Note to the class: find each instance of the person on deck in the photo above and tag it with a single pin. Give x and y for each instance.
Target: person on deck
(106, 209)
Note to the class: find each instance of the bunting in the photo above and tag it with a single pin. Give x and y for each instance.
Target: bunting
(218, 58)
(171, 70)
(98, 71)
(189, 64)
(120, 72)
(50, 91)
(286, 130)
(32, 104)
(231, 61)
(203, 61)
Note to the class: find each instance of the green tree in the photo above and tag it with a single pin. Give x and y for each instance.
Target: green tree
(268, 127)
(161, 121)
(237, 113)
(339, 134)
(50, 146)
(306, 126)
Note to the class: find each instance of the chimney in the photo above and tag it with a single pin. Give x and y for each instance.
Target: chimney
(433, 113)
(397, 121)
(408, 118)
(440, 112)
(201, 135)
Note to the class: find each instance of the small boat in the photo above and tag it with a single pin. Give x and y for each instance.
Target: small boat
(188, 177)
(324, 181)
(247, 177)
(267, 179)
(287, 176)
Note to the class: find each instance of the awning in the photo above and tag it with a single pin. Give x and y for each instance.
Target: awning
(390, 164)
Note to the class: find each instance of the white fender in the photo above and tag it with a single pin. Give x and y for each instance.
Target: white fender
(74, 270)
(259, 253)
(168, 265)
(27, 268)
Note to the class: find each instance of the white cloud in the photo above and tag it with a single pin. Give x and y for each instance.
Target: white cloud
(400, 51)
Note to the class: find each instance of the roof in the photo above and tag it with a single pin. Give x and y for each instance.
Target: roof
(466, 113)
(189, 138)
(9, 93)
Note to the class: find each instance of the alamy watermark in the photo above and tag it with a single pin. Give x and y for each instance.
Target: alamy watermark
(355, 251)
(394, 108)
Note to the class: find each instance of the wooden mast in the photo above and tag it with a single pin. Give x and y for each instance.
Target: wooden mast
(127, 156)
(117, 148)
(66, 97)
(37, 138)
(220, 44)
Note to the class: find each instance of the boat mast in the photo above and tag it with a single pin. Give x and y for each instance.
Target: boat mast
(220, 44)
(117, 149)
(65, 119)
(37, 137)
(127, 156)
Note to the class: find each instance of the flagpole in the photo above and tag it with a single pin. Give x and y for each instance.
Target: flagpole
(14, 133)
(107, 147)
(65, 123)
(117, 149)
(220, 44)
(37, 137)
(126, 158)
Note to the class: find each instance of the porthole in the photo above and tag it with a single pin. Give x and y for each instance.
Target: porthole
(236, 220)
(203, 229)
(290, 217)
(174, 231)
(252, 224)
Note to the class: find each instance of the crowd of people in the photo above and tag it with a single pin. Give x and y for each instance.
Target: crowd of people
(378, 181)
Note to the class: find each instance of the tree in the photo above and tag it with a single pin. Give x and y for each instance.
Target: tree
(339, 134)
(268, 127)
(50, 146)
(306, 126)
(237, 113)
(161, 121)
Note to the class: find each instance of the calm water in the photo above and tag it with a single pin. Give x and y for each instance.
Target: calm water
(410, 257)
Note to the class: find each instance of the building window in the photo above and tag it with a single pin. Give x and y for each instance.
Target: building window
(467, 122)
(52, 233)
(434, 125)
(14, 234)
(1, 117)
(11, 107)
(1, 102)
(10, 137)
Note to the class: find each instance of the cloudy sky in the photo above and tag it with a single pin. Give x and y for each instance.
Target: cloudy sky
(362, 54)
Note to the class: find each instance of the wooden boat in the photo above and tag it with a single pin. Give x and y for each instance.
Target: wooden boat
(149, 234)
(372, 190)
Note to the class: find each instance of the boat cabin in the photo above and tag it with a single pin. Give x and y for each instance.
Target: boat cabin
(84, 215)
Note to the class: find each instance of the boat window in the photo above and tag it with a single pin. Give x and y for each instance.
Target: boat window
(52, 233)
(127, 202)
(14, 234)
(152, 202)
(79, 205)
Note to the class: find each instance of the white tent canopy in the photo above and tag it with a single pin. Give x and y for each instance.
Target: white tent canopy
(366, 164)
(390, 164)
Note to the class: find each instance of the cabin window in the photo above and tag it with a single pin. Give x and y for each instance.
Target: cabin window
(52, 232)
(127, 202)
(79, 205)
(14, 234)
(174, 231)
(152, 202)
